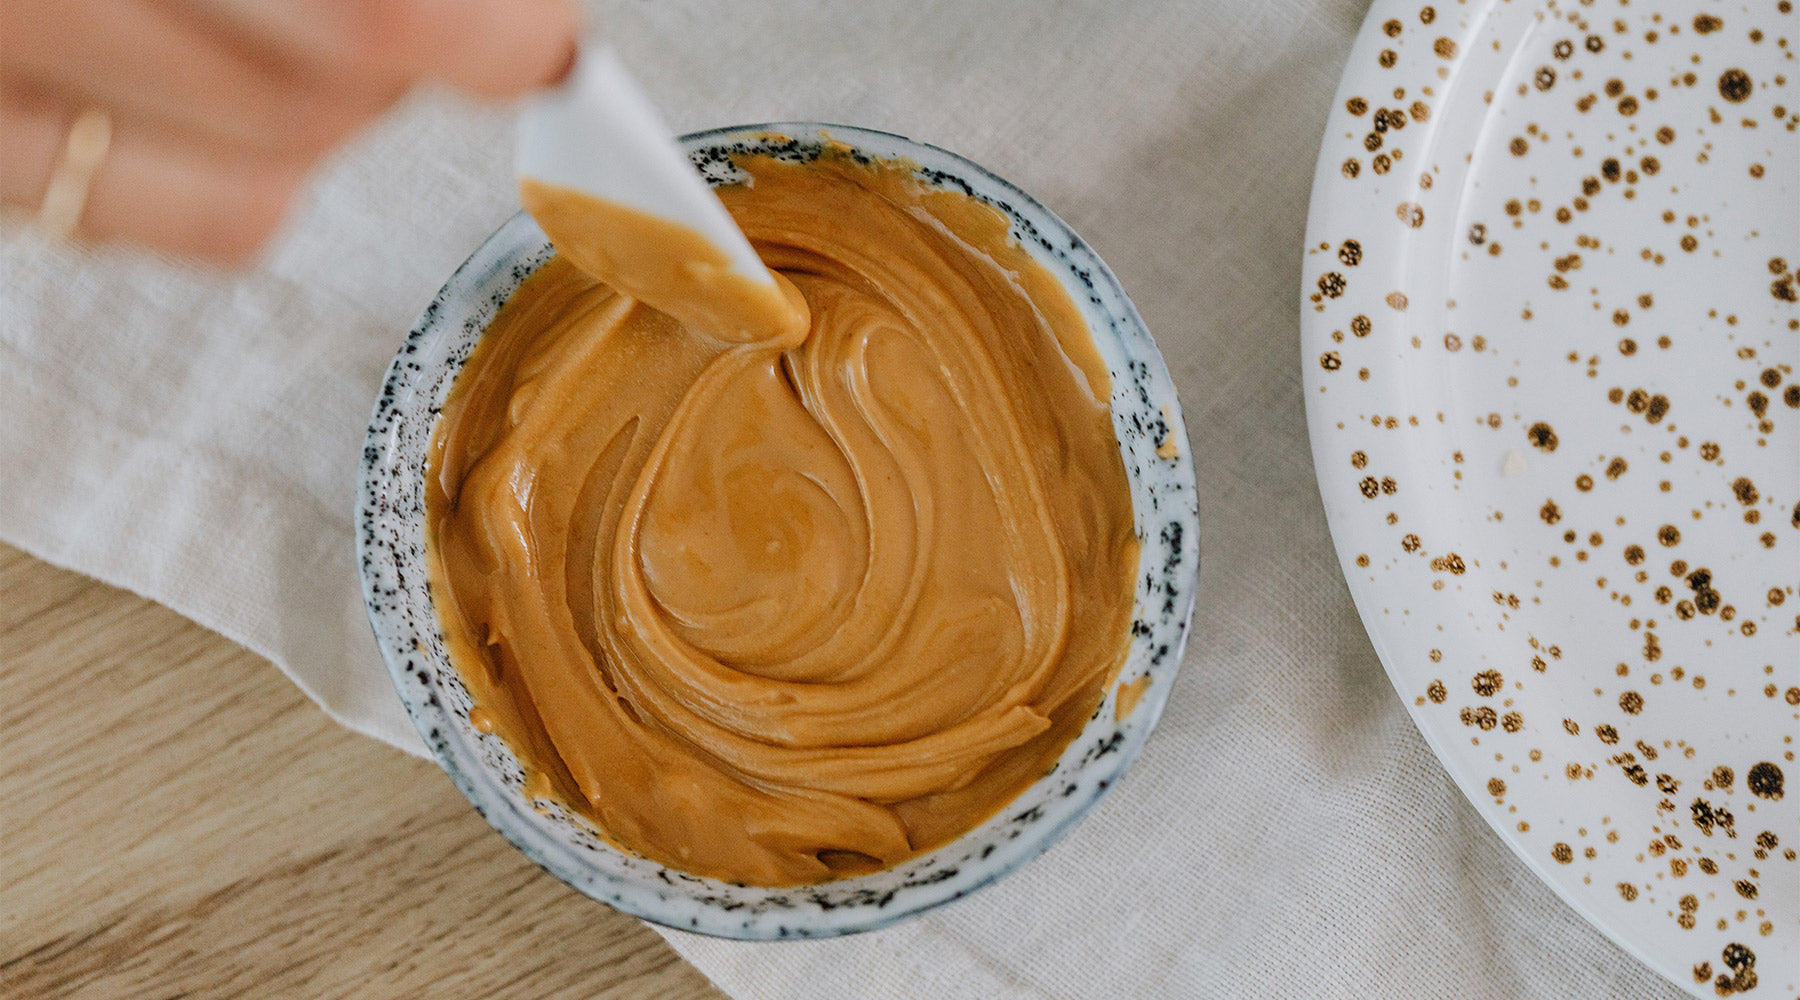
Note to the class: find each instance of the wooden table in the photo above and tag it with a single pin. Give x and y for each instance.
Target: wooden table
(178, 820)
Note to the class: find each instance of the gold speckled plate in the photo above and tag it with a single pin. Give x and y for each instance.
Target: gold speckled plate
(1550, 336)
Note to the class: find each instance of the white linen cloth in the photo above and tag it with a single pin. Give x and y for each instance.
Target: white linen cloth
(1287, 833)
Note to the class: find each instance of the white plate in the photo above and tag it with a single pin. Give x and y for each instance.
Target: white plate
(1550, 339)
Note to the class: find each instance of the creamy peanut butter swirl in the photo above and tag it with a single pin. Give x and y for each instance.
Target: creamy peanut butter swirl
(778, 613)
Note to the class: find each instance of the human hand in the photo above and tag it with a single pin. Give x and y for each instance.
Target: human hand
(201, 118)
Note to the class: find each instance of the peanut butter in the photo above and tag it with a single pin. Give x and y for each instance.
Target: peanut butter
(666, 265)
(779, 610)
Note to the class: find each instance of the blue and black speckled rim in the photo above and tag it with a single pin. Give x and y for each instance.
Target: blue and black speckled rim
(390, 549)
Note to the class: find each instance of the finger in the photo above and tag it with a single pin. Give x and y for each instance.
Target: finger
(185, 75)
(179, 199)
(491, 48)
(35, 131)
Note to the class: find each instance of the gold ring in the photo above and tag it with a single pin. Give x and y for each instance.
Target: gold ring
(83, 152)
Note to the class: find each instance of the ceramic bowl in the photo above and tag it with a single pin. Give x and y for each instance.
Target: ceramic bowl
(391, 547)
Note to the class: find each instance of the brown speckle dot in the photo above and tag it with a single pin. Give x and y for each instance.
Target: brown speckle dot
(1562, 852)
(1735, 85)
(1631, 703)
(1737, 957)
(1765, 780)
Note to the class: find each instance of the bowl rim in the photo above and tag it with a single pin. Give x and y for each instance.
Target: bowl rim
(510, 248)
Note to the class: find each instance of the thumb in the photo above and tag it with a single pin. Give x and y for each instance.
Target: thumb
(490, 48)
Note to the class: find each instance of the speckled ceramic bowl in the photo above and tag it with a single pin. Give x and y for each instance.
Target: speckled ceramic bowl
(390, 542)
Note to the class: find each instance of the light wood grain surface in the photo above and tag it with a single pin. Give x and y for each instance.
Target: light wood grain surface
(178, 821)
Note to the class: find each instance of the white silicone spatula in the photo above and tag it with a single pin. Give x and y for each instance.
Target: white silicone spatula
(597, 135)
